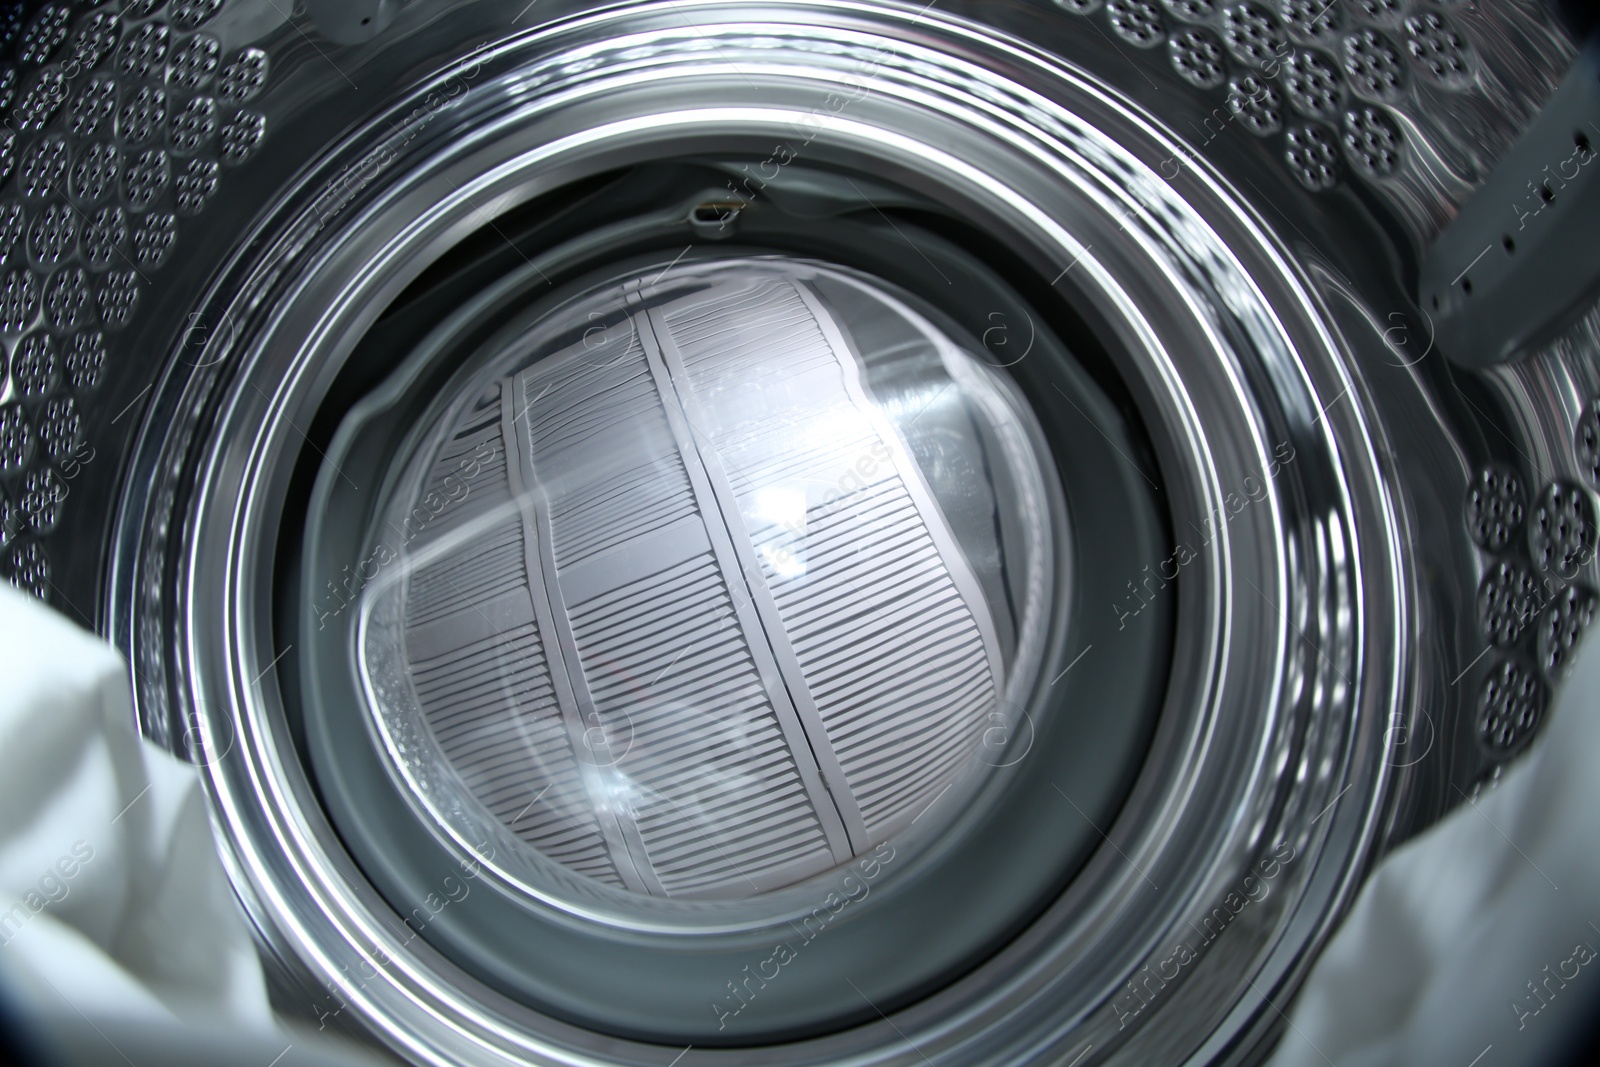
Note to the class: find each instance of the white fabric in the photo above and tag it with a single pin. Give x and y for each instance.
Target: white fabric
(1434, 962)
(112, 899)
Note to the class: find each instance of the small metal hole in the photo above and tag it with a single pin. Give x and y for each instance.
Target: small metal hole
(716, 211)
(1510, 245)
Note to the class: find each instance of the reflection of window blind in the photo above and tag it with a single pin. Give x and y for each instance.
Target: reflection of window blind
(728, 632)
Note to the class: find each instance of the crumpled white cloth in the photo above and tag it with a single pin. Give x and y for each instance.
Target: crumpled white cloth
(112, 899)
(1474, 944)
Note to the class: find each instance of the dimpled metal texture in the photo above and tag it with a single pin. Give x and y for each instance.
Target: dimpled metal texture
(1136, 21)
(1253, 35)
(1437, 47)
(1197, 57)
(1256, 105)
(1496, 502)
(95, 173)
(1363, 77)
(1510, 705)
(44, 34)
(1561, 530)
(1313, 84)
(1560, 628)
(1312, 157)
(1508, 600)
(1586, 442)
(99, 100)
(1371, 141)
(12, 222)
(1242, 53)
(1373, 65)
(1191, 10)
(1310, 20)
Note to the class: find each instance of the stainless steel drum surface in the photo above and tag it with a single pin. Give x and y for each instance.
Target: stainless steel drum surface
(716, 532)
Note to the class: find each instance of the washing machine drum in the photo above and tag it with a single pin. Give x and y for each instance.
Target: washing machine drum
(799, 532)
(686, 584)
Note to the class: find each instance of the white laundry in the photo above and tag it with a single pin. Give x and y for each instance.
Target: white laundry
(145, 923)
(1471, 940)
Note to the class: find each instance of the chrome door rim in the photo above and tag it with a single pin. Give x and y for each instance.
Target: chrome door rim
(274, 837)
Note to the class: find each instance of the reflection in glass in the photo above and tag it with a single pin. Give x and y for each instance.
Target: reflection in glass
(705, 587)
